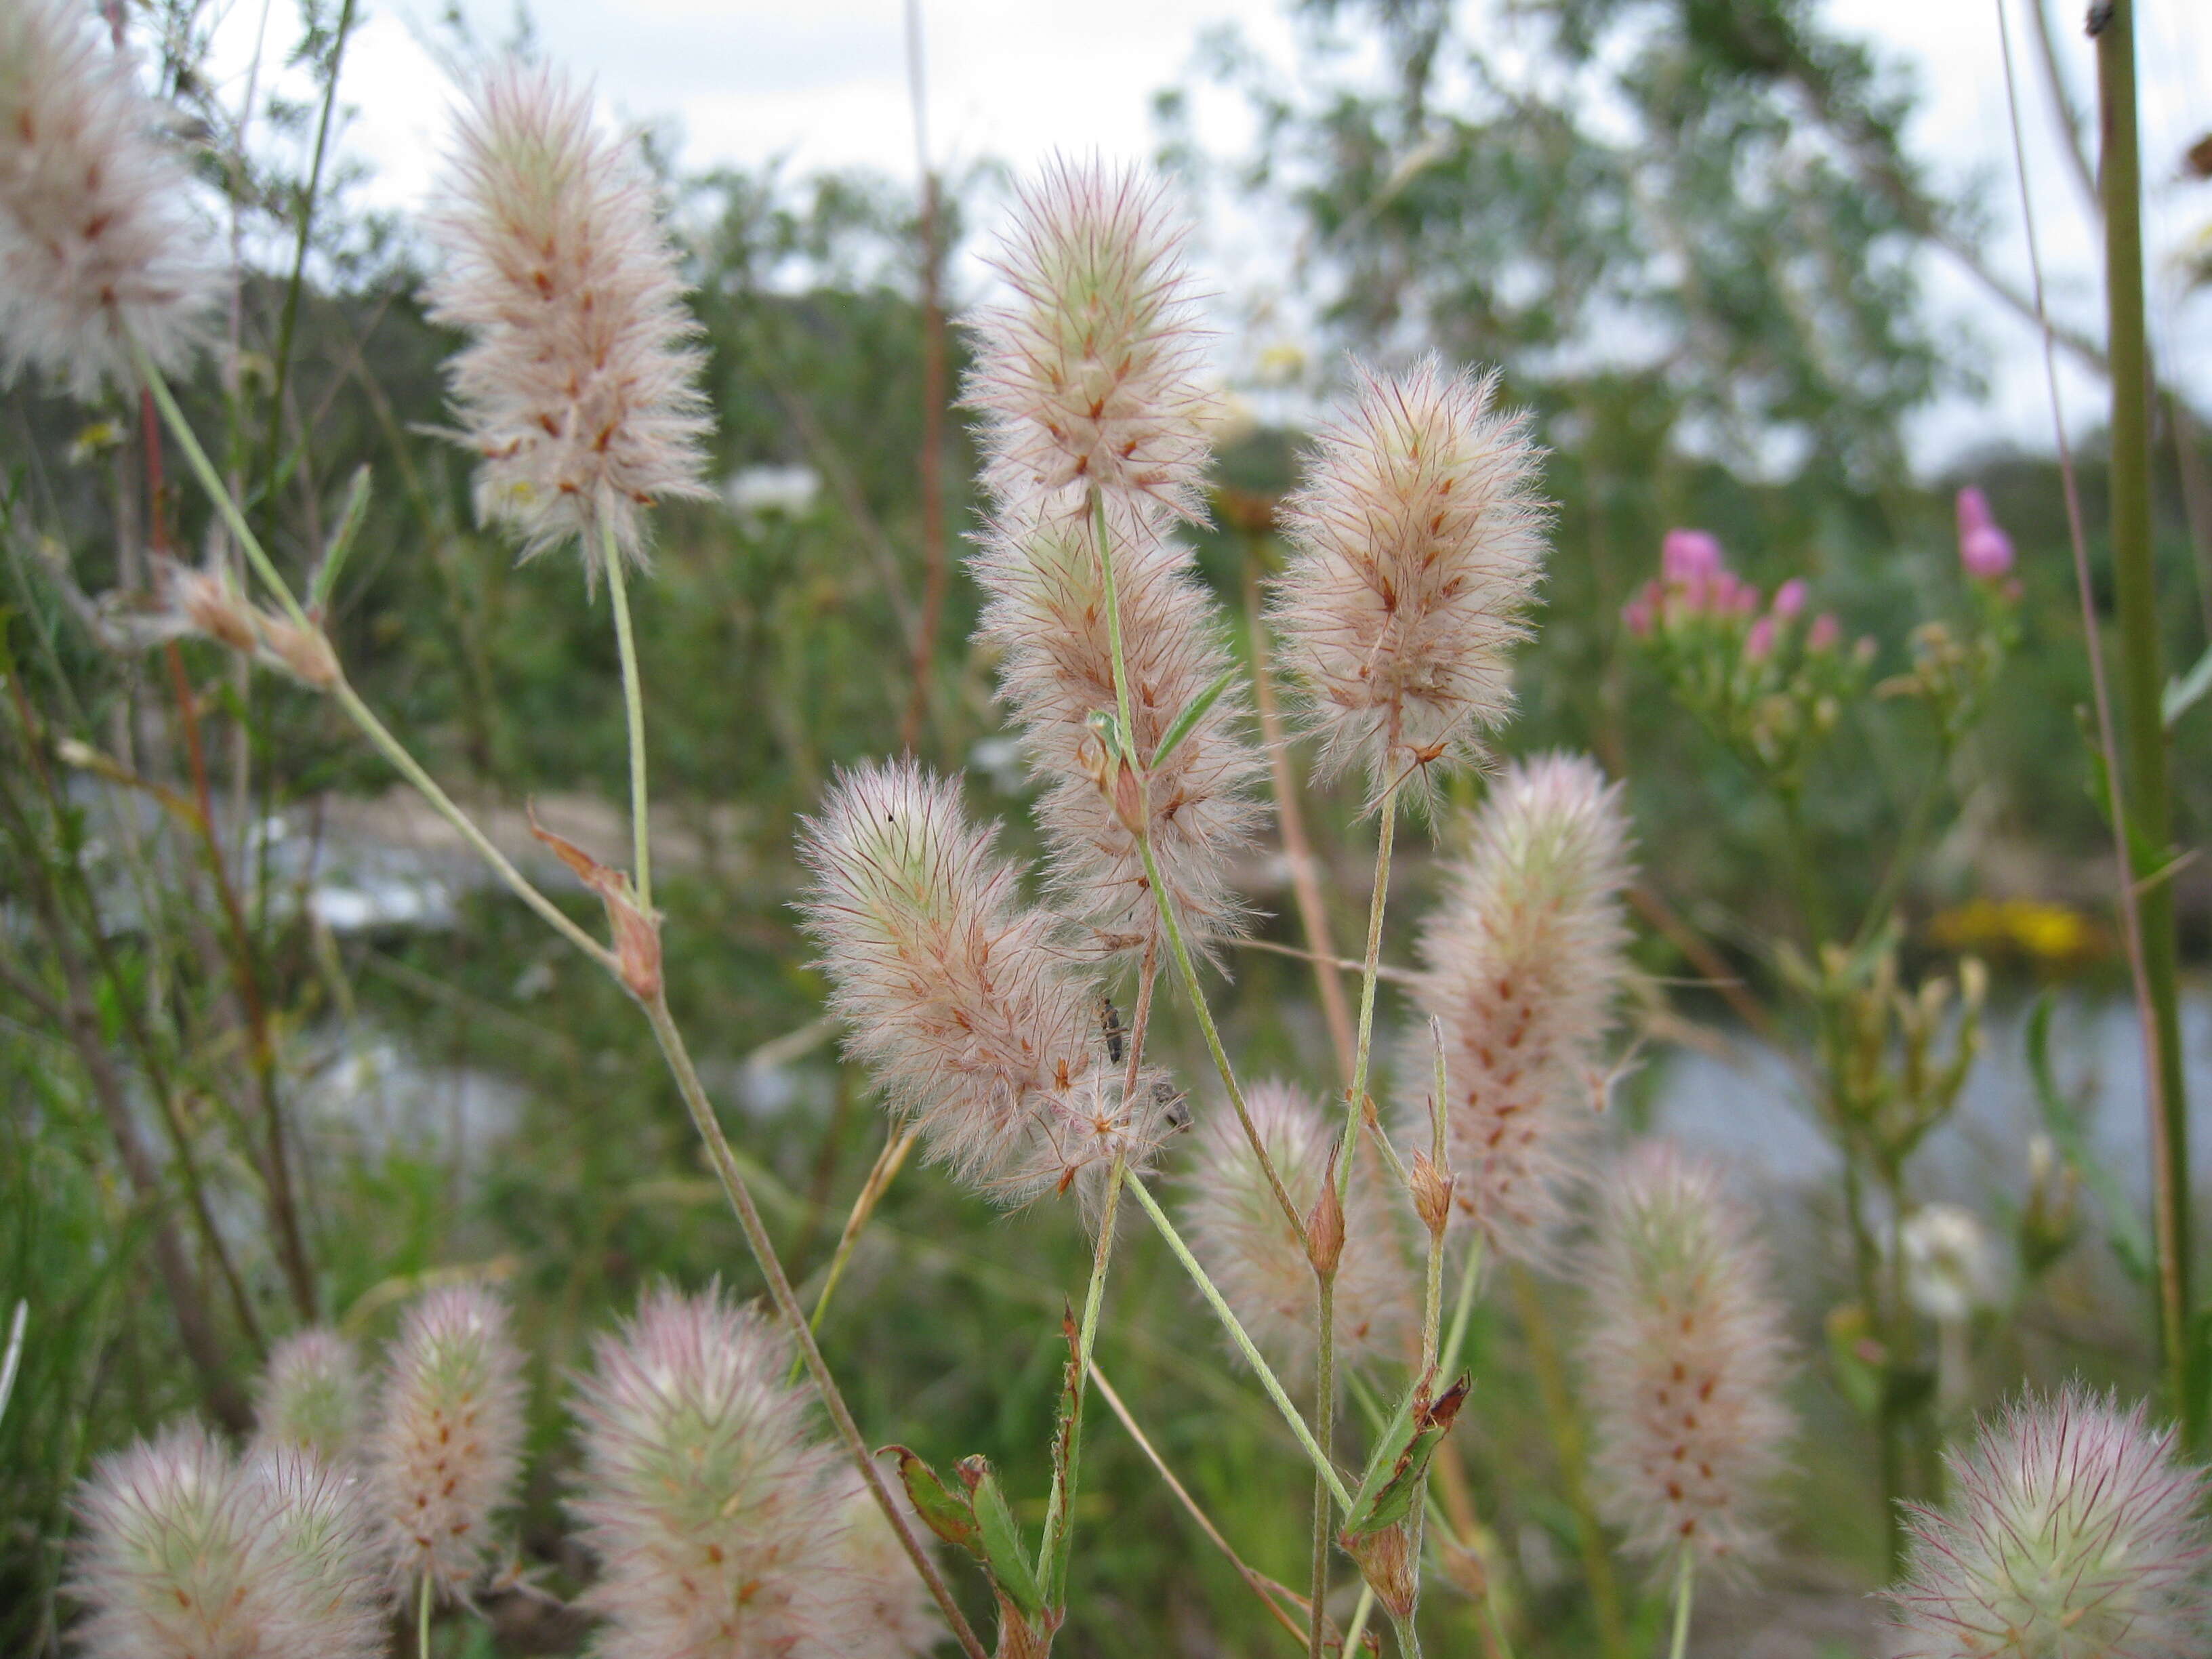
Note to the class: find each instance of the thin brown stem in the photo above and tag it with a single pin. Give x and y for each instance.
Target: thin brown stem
(261, 1057)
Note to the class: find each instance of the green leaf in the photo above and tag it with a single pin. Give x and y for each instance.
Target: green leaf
(1193, 713)
(2062, 1120)
(1392, 1481)
(1001, 1540)
(944, 1511)
(341, 542)
(2184, 693)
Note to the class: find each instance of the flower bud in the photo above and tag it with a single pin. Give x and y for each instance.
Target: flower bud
(1325, 1226)
(1689, 555)
(1431, 1189)
(1984, 550)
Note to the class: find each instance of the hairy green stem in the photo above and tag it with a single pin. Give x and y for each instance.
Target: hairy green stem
(1355, 1111)
(1222, 1311)
(1052, 1550)
(1325, 1428)
(356, 710)
(422, 1621)
(1685, 1582)
(634, 712)
(886, 1167)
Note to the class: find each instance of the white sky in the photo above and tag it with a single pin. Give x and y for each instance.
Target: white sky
(824, 85)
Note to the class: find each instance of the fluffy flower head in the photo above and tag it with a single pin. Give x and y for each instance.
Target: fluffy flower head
(1048, 617)
(724, 1530)
(959, 997)
(447, 1443)
(186, 1552)
(575, 389)
(1521, 962)
(1088, 376)
(1418, 541)
(1685, 1364)
(98, 243)
(2073, 1531)
(311, 1396)
(1245, 1242)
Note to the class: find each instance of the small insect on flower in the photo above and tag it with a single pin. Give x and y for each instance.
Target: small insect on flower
(1046, 616)
(99, 243)
(1685, 1364)
(576, 386)
(723, 1529)
(2073, 1529)
(960, 998)
(447, 1443)
(185, 1554)
(1241, 1235)
(1417, 543)
(311, 1397)
(1521, 963)
(1088, 377)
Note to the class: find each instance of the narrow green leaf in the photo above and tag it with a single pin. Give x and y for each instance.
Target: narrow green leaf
(1193, 713)
(341, 542)
(944, 1511)
(2184, 693)
(1001, 1539)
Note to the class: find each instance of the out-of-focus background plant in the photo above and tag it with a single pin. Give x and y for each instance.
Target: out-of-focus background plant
(274, 1050)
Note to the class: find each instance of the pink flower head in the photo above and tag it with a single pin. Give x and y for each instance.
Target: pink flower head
(1789, 598)
(1983, 548)
(2073, 1529)
(1824, 632)
(1758, 643)
(1688, 557)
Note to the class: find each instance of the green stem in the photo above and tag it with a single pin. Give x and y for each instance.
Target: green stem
(423, 1621)
(1059, 1539)
(1325, 1426)
(1360, 1614)
(888, 1162)
(412, 769)
(2142, 675)
(356, 709)
(1122, 705)
(1357, 1111)
(289, 323)
(1685, 1582)
(1269, 1379)
(633, 710)
(1187, 972)
(719, 1153)
(1409, 1635)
